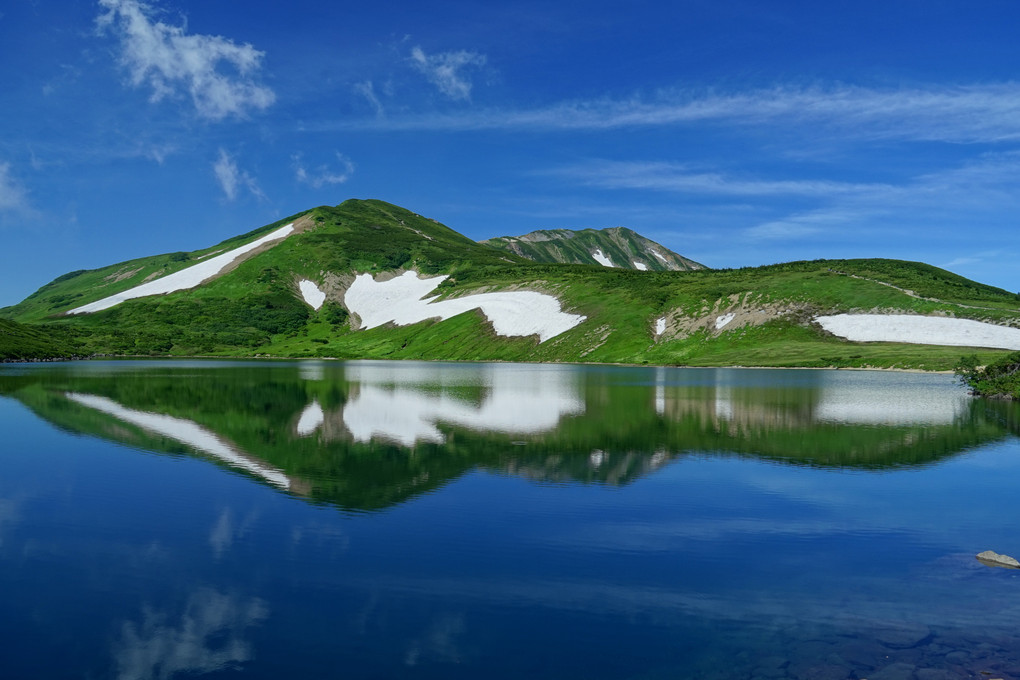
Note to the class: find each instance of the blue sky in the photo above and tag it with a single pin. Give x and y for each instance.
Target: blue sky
(735, 133)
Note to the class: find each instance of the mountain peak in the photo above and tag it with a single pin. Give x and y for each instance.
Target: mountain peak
(610, 247)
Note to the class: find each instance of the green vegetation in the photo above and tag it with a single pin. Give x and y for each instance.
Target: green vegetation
(999, 379)
(21, 342)
(256, 309)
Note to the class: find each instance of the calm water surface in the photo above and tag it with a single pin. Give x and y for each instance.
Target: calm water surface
(389, 520)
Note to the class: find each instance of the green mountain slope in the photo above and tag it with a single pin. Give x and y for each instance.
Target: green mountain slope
(615, 247)
(257, 306)
(21, 342)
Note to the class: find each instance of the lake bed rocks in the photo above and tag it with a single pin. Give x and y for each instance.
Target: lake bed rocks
(994, 559)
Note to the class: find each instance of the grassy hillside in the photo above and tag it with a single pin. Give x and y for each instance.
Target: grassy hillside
(20, 342)
(256, 308)
(623, 247)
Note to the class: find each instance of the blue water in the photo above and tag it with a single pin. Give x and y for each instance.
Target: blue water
(157, 560)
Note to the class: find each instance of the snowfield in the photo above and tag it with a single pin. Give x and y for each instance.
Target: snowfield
(401, 301)
(920, 330)
(311, 293)
(660, 325)
(185, 278)
(640, 266)
(185, 431)
(601, 258)
(722, 321)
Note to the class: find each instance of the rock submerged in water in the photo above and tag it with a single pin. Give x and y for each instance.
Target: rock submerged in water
(994, 559)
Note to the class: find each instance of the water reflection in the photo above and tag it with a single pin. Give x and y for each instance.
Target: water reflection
(321, 429)
(406, 407)
(759, 524)
(186, 432)
(207, 636)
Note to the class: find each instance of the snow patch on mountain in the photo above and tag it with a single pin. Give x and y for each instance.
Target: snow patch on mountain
(311, 293)
(920, 330)
(185, 278)
(722, 321)
(401, 300)
(601, 258)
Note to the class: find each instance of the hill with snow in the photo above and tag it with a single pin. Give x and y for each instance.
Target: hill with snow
(367, 279)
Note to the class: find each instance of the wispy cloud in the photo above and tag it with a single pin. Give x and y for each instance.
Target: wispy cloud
(981, 191)
(801, 225)
(169, 59)
(232, 179)
(208, 635)
(961, 114)
(322, 175)
(675, 177)
(13, 196)
(446, 70)
(367, 90)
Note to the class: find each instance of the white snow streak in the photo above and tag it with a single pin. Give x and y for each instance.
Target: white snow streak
(659, 255)
(660, 326)
(401, 301)
(311, 293)
(640, 266)
(920, 330)
(185, 278)
(722, 321)
(185, 431)
(601, 258)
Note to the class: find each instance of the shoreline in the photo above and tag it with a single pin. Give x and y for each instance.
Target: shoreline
(148, 357)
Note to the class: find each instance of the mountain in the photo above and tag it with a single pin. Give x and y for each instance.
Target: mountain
(612, 247)
(367, 279)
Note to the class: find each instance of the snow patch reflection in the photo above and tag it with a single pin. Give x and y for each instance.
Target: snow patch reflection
(402, 404)
(185, 431)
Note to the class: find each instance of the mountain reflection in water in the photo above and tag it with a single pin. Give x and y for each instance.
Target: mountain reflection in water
(366, 435)
(371, 519)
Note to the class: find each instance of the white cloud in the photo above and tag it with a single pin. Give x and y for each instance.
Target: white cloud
(960, 114)
(232, 178)
(445, 70)
(169, 59)
(13, 196)
(323, 174)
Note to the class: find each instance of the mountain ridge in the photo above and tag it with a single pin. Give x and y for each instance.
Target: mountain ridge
(610, 247)
(368, 279)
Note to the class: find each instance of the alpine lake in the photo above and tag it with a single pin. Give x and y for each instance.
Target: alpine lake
(241, 519)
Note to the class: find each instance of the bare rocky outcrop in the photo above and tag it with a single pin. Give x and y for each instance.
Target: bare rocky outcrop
(993, 559)
(736, 311)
